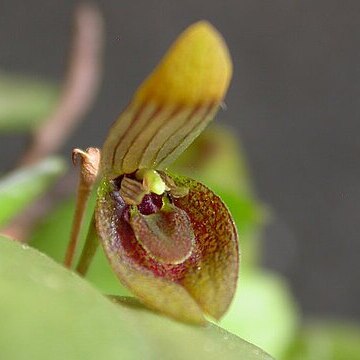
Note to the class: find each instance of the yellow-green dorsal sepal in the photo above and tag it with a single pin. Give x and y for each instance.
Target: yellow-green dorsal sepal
(173, 105)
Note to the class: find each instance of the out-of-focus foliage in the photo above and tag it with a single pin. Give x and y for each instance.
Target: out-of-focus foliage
(326, 340)
(263, 312)
(51, 237)
(50, 313)
(24, 102)
(216, 158)
(22, 186)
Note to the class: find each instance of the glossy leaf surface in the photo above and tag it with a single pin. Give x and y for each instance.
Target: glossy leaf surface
(263, 299)
(56, 226)
(65, 318)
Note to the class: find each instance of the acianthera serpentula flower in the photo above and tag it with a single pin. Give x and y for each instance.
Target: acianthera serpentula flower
(168, 238)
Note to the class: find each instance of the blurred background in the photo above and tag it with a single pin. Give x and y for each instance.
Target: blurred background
(293, 104)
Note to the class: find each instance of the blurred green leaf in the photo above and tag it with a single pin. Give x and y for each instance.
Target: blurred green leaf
(47, 312)
(249, 218)
(263, 312)
(245, 211)
(326, 340)
(52, 235)
(24, 102)
(22, 186)
(216, 159)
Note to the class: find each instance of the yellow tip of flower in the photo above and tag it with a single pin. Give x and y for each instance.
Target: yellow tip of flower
(196, 69)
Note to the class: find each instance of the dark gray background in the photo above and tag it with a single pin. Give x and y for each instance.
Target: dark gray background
(294, 102)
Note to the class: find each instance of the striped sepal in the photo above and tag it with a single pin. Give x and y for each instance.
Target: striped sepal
(172, 106)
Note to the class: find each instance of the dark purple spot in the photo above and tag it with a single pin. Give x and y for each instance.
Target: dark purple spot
(151, 204)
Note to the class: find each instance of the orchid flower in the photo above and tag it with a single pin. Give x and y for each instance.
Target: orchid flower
(170, 240)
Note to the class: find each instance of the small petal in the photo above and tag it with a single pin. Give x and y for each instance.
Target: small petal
(172, 106)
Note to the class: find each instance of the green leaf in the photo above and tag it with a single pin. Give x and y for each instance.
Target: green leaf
(24, 185)
(216, 158)
(24, 102)
(263, 312)
(47, 312)
(56, 227)
(326, 340)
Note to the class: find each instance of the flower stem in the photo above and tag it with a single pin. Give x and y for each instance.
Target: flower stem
(88, 173)
(90, 247)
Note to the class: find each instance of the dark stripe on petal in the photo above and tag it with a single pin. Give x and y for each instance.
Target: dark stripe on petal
(154, 115)
(190, 135)
(169, 119)
(171, 139)
(136, 117)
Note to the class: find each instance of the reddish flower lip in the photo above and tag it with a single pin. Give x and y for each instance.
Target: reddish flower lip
(130, 247)
(206, 279)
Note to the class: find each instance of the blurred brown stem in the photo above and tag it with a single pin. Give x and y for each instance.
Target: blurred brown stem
(89, 250)
(79, 88)
(21, 226)
(78, 92)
